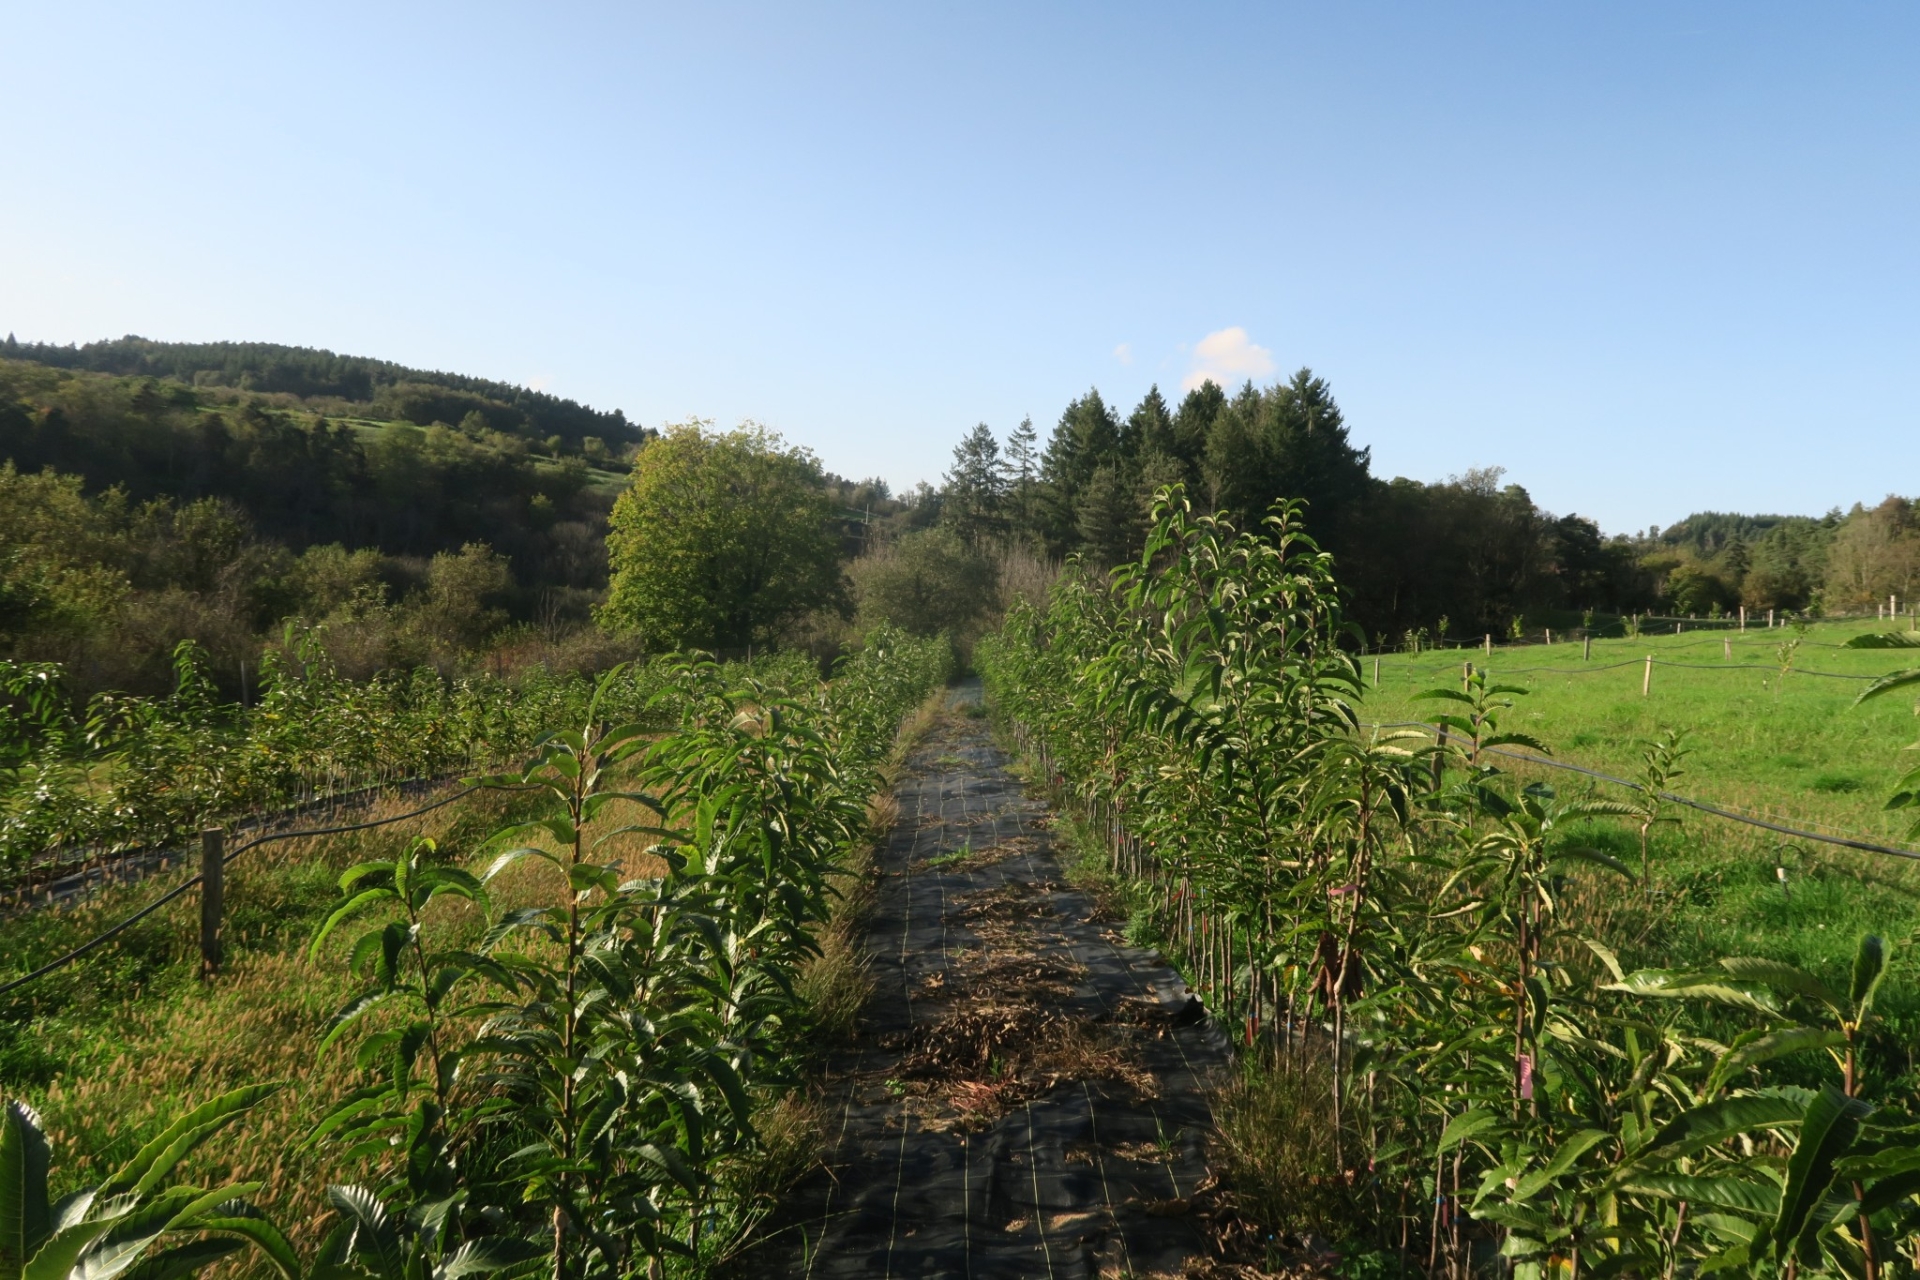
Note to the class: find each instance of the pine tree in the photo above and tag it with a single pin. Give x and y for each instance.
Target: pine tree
(974, 493)
(1023, 474)
(1023, 455)
(1085, 439)
(1108, 518)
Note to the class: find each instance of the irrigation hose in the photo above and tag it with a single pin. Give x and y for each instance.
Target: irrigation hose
(97, 941)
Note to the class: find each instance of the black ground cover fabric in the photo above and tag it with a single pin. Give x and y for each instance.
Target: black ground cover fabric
(1027, 1096)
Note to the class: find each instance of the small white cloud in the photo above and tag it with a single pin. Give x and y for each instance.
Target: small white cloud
(539, 382)
(1124, 353)
(1227, 356)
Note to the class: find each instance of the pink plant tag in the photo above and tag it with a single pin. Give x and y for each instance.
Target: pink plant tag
(1526, 1077)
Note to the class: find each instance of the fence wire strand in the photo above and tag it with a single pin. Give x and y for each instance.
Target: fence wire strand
(1849, 842)
(101, 939)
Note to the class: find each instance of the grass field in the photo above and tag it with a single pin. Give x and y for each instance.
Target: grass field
(1792, 749)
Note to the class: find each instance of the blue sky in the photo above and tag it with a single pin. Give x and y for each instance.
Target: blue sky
(1648, 258)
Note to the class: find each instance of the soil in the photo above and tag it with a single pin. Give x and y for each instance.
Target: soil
(1027, 1094)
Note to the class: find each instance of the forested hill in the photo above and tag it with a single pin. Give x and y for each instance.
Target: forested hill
(375, 388)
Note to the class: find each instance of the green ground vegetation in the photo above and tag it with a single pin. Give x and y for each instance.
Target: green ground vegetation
(1794, 749)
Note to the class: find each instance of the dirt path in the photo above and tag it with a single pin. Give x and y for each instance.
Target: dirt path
(1027, 1096)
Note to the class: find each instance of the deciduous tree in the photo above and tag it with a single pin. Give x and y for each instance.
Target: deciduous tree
(721, 541)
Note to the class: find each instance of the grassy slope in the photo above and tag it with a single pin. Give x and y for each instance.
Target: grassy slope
(1797, 751)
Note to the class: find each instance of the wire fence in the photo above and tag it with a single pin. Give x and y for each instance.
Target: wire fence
(1716, 628)
(1718, 811)
(1585, 669)
(180, 889)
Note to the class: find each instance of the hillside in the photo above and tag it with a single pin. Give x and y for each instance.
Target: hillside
(343, 385)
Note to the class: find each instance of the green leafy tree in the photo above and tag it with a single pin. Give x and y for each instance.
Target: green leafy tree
(926, 582)
(721, 541)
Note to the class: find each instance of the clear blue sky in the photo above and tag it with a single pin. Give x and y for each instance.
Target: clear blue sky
(1650, 258)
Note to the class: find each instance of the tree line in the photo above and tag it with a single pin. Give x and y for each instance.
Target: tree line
(1471, 553)
(141, 510)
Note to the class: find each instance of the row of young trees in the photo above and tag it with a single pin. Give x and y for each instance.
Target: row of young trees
(1399, 920)
(84, 780)
(570, 1086)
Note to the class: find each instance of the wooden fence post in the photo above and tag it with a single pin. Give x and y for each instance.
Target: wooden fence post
(1743, 617)
(213, 867)
(1646, 681)
(1486, 643)
(1726, 648)
(1769, 619)
(1466, 678)
(1586, 649)
(1376, 671)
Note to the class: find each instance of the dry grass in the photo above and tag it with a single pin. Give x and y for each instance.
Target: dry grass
(1275, 1149)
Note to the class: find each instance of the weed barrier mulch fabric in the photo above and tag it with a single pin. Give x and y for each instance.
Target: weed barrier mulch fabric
(1027, 1095)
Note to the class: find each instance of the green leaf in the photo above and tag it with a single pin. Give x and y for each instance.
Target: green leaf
(1781, 977)
(486, 1255)
(1606, 957)
(1675, 984)
(512, 856)
(1715, 1122)
(374, 1238)
(1596, 858)
(153, 1162)
(1563, 1159)
(1869, 966)
(1887, 684)
(23, 1186)
(1465, 1125)
(1753, 1049)
(1526, 740)
(1887, 1192)
(350, 1012)
(360, 871)
(181, 1260)
(1886, 640)
(342, 913)
(1743, 1195)
(1831, 1123)
(57, 1256)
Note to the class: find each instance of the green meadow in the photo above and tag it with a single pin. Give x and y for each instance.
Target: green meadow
(1791, 747)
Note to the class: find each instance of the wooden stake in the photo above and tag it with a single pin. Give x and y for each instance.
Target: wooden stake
(1726, 647)
(1586, 649)
(1486, 643)
(1646, 681)
(1376, 671)
(1466, 677)
(213, 867)
(1743, 617)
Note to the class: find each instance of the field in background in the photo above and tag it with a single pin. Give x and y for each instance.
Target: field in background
(1793, 749)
